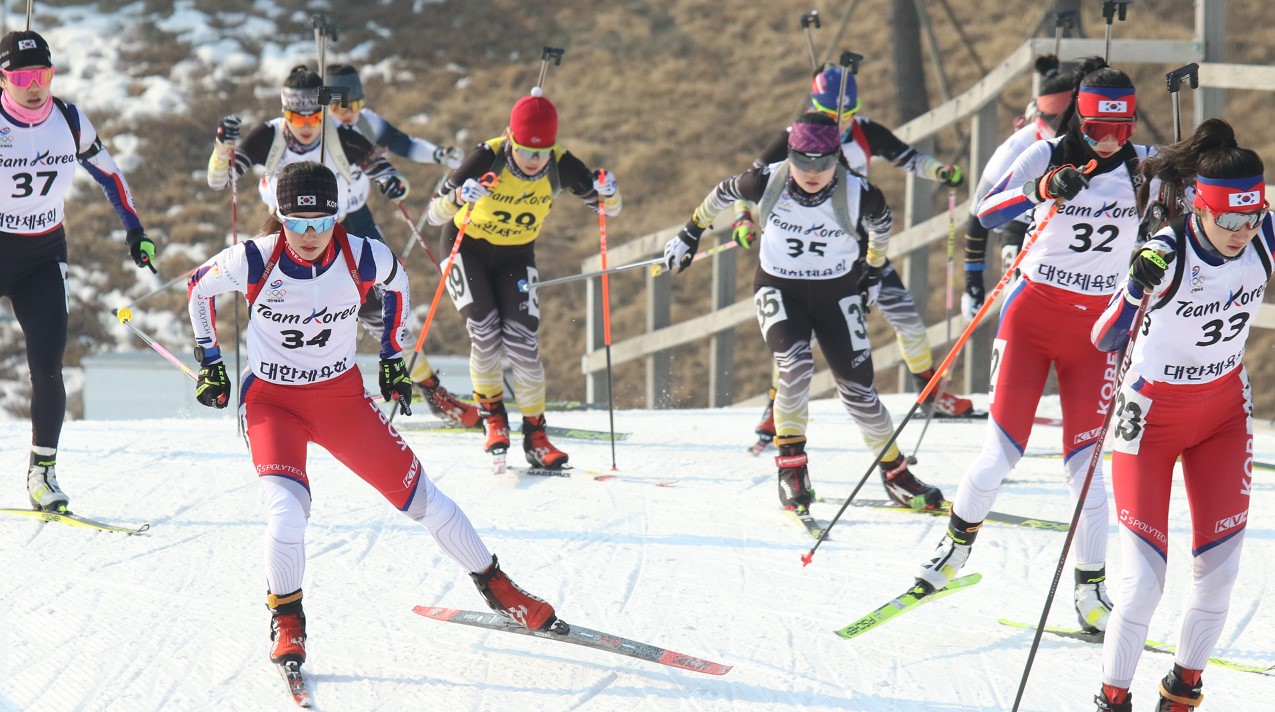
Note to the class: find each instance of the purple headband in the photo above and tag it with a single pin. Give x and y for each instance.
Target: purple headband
(814, 139)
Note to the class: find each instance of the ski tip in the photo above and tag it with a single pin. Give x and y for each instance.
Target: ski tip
(435, 612)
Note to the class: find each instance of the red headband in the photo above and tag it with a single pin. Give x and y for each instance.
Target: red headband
(1230, 195)
(1109, 103)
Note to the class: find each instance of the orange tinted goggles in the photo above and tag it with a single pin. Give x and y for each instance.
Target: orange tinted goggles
(297, 119)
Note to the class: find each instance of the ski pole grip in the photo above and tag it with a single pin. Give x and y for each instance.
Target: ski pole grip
(851, 60)
(1115, 9)
(489, 179)
(1190, 72)
(554, 53)
(809, 19)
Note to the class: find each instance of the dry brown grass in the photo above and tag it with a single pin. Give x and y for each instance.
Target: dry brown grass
(672, 95)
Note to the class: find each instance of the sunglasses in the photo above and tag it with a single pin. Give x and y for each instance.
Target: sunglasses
(812, 163)
(1095, 131)
(300, 225)
(298, 119)
(23, 78)
(1234, 222)
(530, 154)
(356, 105)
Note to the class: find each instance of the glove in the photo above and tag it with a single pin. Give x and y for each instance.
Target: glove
(449, 156)
(213, 387)
(141, 248)
(951, 176)
(472, 191)
(975, 293)
(396, 385)
(604, 183)
(228, 131)
(1148, 269)
(679, 251)
(395, 188)
(1062, 183)
(743, 229)
(870, 284)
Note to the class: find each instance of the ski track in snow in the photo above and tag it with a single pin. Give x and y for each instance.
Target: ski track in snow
(175, 618)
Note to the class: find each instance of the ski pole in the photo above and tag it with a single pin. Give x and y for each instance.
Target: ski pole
(1094, 459)
(30, 7)
(417, 234)
(525, 286)
(943, 367)
(660, 268)
(951, 249)
(125, 316)
(606, 314)
(808, 19)
(1063, 21)
(165, 286)
(849, 65)
(547, 53)
(1191, 73)
(234, 240)
(488, 180)
(1113, 10)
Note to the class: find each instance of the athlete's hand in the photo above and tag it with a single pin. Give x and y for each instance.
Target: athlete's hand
(228, 130)
(213, 386)
(1062, 183)
(395, 188)
(141, 249)
(870, 284)
(395, 384)
(472, 191)
(744, 230)
(951, 176)
(1148, 270)
(449, 156)
(975, 293)
(604, 183)
(680, 250)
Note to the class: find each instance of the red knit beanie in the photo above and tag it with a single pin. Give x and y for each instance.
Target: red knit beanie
(534, 122)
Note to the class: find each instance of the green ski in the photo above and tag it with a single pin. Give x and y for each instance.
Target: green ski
(913, 597)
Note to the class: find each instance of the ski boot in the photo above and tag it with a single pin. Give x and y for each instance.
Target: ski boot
(496, 423)
(508, 599)
(950, 555)
(287, 628)
(944, 404)
(794, 479)
(42, 483)
(1179, 695)
(535, 444)
(904, 488)
(1093, 608)
(447, 406)
(1113, 699)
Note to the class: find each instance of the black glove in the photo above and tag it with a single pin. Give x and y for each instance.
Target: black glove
(870, 284)
(1148, 269)
(680, 251)
(396, 385)
(213, 387)
(141, 248)
(395, 188)
(1064, 182)
(228, 131)
(975, 293)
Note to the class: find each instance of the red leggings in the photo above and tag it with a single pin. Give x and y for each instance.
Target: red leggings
(338, 416)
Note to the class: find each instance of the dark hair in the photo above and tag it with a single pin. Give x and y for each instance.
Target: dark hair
(302, 78)
(1090, 72)
(270, 226)
(336, 70)
(1052, 77)
(1211, 151)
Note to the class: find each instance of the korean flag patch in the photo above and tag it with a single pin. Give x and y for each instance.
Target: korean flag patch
(1244, 200)
(26, 44)
(307, 200)
(1111, 106)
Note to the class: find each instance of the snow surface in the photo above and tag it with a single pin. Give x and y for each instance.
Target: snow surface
(174, 619)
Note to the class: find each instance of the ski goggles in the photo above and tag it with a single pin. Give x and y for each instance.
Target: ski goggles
(812, 162)
(299, 119)
(300, 225)
(530, 154)
(829, 111)
(356, 105)
(1234, 222)
(1095, 131)
(23, 78)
